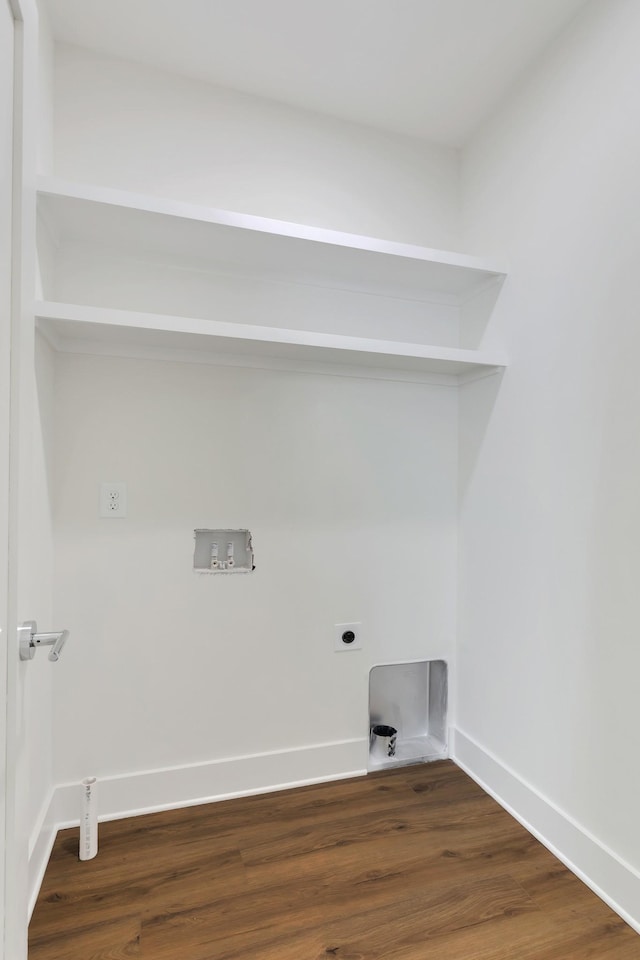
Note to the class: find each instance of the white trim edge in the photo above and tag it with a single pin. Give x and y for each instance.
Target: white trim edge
(605, 872)
(150, 791)
(40, 847)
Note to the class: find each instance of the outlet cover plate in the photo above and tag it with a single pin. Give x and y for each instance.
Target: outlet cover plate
(113, 500)
(339, 645)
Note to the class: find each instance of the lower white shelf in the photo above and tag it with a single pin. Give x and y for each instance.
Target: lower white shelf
(78, 328)
(412, 750)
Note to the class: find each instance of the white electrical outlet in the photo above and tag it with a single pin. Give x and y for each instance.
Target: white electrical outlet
(347, 636)
(113, 500)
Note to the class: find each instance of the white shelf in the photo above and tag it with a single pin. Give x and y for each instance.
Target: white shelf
(363, 278)
(71, 327)
(192, 234)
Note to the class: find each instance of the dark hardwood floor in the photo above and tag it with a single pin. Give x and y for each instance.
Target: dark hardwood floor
(409, 864)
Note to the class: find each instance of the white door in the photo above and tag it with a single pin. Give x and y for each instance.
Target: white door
(18, 78)
(6, 114)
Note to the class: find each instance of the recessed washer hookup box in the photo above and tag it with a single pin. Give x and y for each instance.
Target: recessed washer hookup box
(223, 551)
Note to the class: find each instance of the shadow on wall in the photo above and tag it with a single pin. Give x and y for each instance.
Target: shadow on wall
(476, 313)
(477, 401)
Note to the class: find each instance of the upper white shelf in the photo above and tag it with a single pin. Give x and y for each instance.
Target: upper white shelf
(189, 234)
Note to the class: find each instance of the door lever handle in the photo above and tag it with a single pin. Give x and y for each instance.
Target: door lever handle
(30, 640)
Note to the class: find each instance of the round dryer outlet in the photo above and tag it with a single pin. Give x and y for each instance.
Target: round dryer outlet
(347, 636)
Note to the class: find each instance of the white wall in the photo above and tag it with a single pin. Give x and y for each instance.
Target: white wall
(348, 485)
(123, 125)
(349, 489)
(549, 659)
(105, 277)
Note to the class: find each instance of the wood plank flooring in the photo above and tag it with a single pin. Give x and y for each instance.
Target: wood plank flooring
(406, 864)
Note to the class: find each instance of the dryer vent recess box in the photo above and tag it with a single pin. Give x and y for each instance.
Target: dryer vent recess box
(223, 551)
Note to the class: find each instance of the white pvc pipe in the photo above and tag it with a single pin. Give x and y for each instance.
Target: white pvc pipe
(89, 820)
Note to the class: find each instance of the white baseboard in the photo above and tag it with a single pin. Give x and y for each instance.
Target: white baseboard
(608, 875)
(148, 791)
